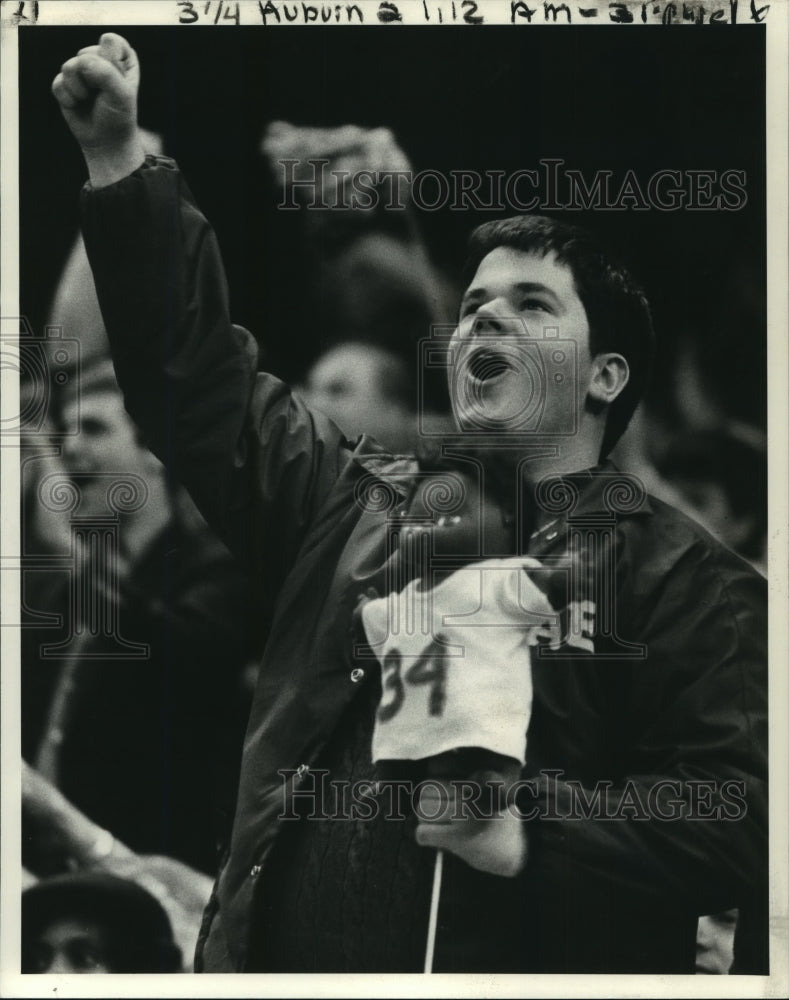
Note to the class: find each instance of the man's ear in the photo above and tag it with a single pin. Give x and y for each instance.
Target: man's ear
(610, 374)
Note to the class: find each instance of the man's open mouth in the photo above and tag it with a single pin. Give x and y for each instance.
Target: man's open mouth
(487, 364)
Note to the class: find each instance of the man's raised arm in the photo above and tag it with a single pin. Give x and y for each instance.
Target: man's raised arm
(251, 456)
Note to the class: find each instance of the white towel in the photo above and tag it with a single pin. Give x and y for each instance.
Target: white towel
(456, 664)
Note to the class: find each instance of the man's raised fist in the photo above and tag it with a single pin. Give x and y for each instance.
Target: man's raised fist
(97, 93)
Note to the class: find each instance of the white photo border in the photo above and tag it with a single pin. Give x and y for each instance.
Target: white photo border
(775, 17)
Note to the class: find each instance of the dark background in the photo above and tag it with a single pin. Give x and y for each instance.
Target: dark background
(456, 97)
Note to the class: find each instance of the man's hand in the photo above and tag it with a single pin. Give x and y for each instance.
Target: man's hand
(97, 93)
(497, 845)
(473, 827)
(348, 149)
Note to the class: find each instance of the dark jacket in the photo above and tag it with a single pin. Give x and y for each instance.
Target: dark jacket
(686, 704)
(167, 723)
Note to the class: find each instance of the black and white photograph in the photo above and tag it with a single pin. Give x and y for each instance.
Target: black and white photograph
(394, 549)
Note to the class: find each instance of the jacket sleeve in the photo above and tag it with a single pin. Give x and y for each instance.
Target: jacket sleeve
(681, 818)
(257, 463)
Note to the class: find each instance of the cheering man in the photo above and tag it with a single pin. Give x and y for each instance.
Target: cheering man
(638, 799)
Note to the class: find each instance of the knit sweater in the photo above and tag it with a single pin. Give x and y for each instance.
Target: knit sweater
(345, 894)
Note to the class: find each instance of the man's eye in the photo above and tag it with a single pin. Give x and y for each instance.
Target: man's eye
(534, 305)
(84, 956)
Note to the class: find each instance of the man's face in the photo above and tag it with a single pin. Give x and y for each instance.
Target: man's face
(107, 440)
(521, 360)
(348, 383)
(70, 945)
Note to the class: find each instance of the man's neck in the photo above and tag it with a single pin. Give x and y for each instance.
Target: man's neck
(558, 460)
(562, 461)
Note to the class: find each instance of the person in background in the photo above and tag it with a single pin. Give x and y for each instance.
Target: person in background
(91, 922)
(367, 389)
(371, 283)
(147, 742)
(65, 841)
(721, 477)
(149, 703)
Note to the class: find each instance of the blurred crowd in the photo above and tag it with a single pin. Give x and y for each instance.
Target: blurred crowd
(140, 641)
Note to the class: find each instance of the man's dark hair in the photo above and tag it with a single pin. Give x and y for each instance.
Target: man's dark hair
(616, 308)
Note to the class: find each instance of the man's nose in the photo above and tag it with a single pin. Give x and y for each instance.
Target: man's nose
(496, 317)
(71, 451)
(490, 314)
(61, 965)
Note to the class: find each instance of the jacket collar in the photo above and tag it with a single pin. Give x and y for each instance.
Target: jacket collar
(600, 493)
(597, 495)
